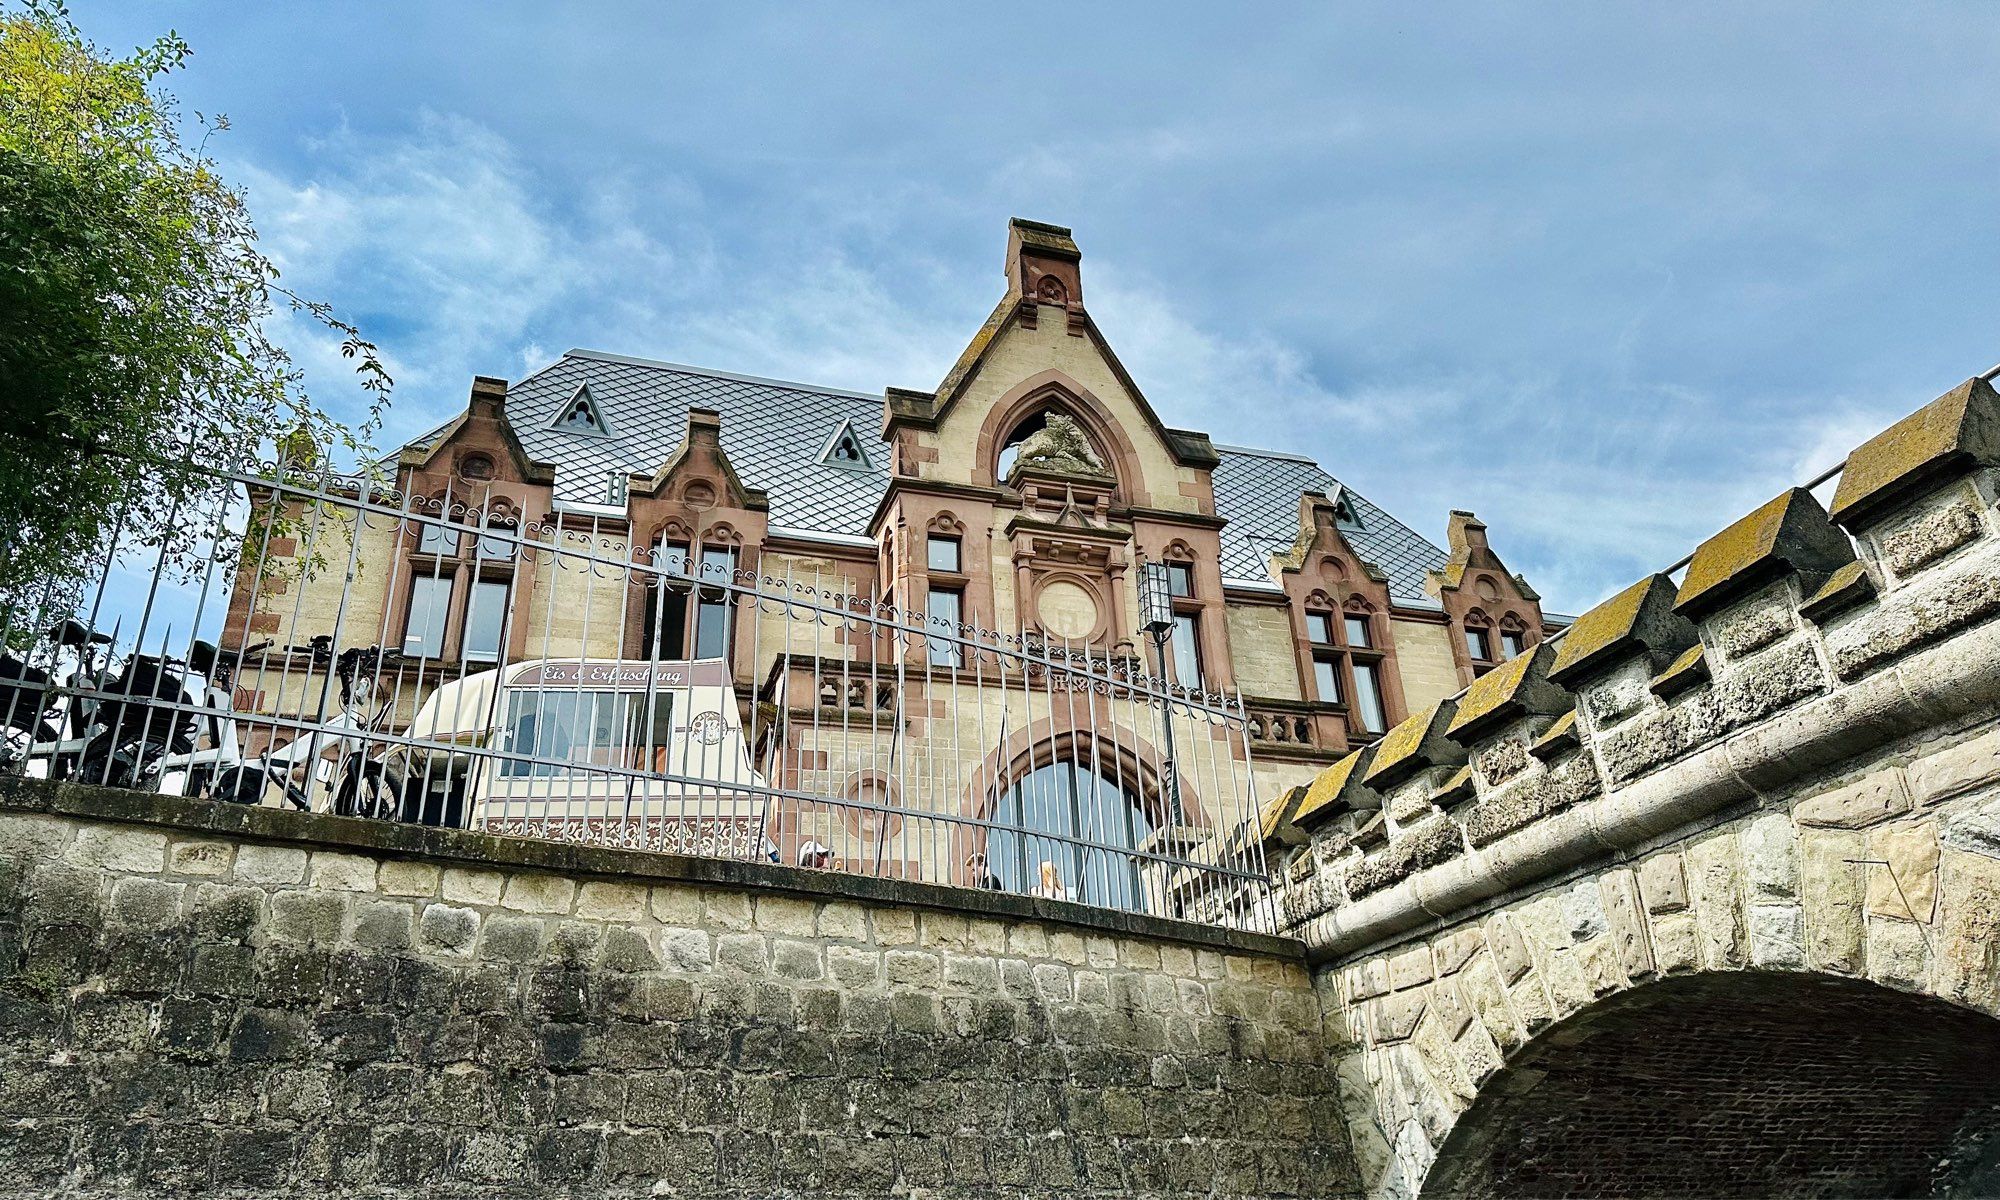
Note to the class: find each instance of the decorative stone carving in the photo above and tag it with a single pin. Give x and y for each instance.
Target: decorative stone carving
(1060, 446)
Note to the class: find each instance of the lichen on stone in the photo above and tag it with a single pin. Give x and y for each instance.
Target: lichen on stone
(1415, 849)
(1913, 622)
(1963, 424)
(1930, 537)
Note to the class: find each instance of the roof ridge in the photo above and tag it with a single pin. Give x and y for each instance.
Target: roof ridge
(712, 373)
(1284, 455)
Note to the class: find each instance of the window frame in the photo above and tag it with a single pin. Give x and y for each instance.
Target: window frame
(440, 609)
(1370, 698)
(944, 653)
(1190, 621)
(933, 542)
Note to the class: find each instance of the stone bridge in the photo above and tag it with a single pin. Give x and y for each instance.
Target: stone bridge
(1702, 898)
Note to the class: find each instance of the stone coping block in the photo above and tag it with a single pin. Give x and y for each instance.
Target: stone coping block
(1338, 789)
(1951, 434)
(1687, 671)
(1276, 822)
(211, 818)
(1518, 687)
(1788, 533)
(1640, 617)
(1850, 587)
(1558, 739)
(1417, 743)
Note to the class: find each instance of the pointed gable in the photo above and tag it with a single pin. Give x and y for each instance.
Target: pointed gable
(1040, 352)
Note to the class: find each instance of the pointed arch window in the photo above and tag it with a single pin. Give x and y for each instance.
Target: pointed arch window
(581, 414)
(844, 449)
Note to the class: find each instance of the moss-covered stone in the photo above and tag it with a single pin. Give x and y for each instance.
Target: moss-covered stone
(1687, 671)
(1417, 743)
(1275, 822)
(1958, 430)
(1338, 789)
(1558, 739)
(1849, 587)
(1788, 533)
(1516, 688)
(1641, 617)
(1455, 790)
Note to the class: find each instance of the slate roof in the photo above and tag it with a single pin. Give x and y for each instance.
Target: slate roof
(776, 432)
(1259, 490)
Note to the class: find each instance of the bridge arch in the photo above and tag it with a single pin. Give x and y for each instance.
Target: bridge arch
(1861, 952)
(1739, 1083)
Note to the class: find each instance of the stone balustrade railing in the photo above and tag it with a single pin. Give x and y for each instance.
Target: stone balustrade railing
(1799, 638)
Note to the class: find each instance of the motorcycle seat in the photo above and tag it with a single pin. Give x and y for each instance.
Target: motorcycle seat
(73, 632)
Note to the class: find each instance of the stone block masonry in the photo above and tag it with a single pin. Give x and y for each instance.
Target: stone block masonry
(206, 1000)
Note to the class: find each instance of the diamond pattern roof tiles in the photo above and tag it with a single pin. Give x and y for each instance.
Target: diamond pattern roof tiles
(1258, 491)
(775, 434)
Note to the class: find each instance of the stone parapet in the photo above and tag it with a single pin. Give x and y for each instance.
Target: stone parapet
(204, 1000)
(1780, 656)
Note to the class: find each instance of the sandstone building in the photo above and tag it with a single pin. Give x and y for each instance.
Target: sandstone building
(1020, 495)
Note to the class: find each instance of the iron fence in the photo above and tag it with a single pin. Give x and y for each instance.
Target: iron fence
(331, 643)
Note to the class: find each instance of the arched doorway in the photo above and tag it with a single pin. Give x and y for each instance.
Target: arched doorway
(1739, 1084)
(1047, 813)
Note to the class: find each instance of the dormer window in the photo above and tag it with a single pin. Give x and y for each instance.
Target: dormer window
(1344, 514)
(581, 414)
(844, 449)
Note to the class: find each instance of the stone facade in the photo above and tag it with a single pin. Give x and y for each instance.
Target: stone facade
(199, 999)
(1704, 898)
(1047, 550)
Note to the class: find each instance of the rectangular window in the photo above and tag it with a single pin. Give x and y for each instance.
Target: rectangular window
(433, 538)
(711, 621)
(485, 620)
(944, 554)
(1319, 627)
(1180, 579)
(1368, 696)
(665, 632)
(1357, 632)
(947, 610)
(1187, 649)
(497, 544)
(1326, 677)
(1477, 645)
(588, 729)
(1513, 643)
(430, 607)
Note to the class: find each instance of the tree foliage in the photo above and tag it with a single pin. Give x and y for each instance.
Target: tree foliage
(134, 304)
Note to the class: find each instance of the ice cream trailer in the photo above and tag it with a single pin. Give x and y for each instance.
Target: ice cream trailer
(639, 754)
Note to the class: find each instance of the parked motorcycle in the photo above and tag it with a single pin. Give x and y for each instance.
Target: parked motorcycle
(46, 703)
(337, 752)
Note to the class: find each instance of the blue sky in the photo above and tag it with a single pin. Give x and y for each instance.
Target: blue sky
(1609, 275)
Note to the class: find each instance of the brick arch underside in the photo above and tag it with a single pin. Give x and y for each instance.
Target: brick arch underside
(1739, 1084)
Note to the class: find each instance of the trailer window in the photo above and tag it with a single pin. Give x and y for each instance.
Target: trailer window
(552, 733)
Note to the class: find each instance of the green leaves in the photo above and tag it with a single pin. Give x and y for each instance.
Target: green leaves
(134, 306)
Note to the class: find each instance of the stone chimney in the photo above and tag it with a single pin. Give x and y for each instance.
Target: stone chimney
(1044, 267)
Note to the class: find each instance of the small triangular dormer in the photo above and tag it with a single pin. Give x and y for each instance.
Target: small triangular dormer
(581, 415)
(844, 449)
(1344, 513)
